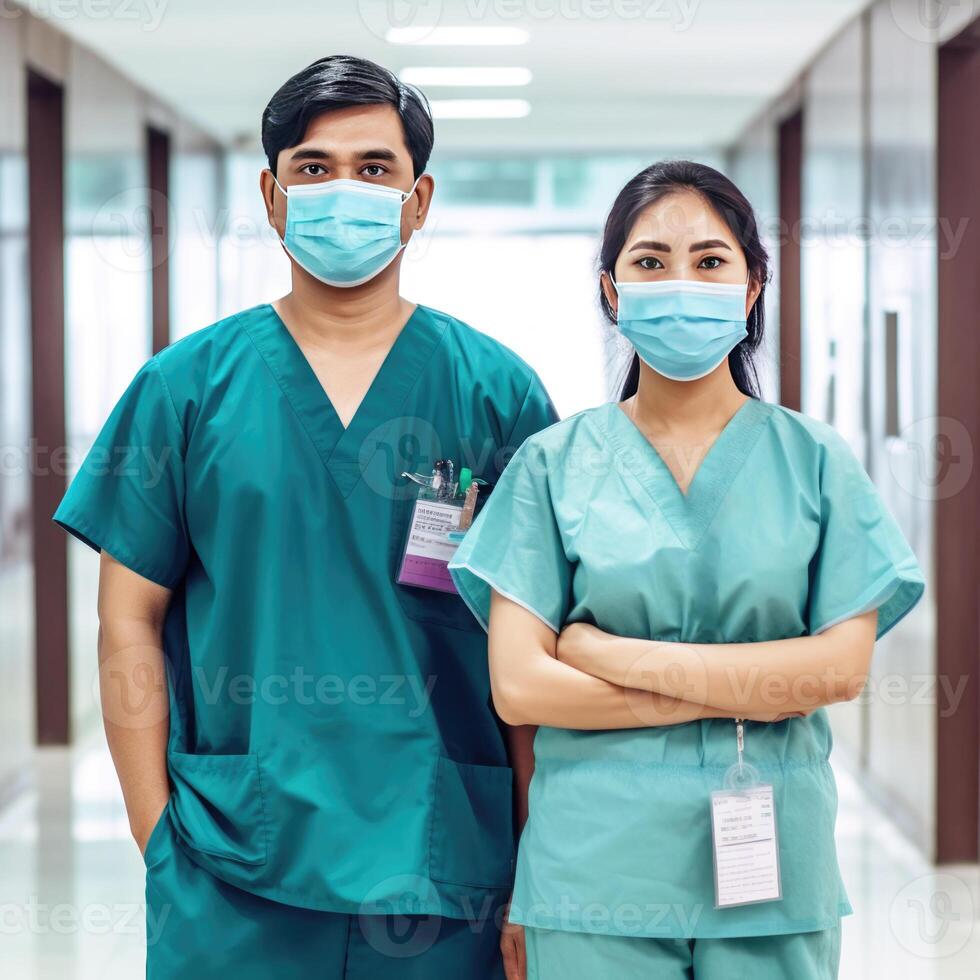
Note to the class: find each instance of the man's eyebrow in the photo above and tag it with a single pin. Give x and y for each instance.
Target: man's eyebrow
(651, 245)
(709, 243)
(313, 153)
(381, 153)
(309, 153)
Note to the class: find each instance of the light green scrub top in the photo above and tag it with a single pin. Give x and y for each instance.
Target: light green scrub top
(332, 744)
(781, 534)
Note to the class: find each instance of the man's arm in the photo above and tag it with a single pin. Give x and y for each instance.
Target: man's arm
(133, 686)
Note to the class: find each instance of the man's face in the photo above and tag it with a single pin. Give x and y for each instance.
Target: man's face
(364, 143)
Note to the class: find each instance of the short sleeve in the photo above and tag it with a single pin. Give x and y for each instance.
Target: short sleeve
(515, 546)
(537, 412)
(127, 497)
(863, 561)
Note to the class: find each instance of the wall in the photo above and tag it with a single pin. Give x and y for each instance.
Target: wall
(16, 567)
(107, 317)
(869, 250)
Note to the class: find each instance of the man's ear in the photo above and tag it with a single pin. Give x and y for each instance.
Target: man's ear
(267, 185)
(417, 206)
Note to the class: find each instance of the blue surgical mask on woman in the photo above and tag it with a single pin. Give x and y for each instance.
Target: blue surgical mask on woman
(343, 232)
(682, 329)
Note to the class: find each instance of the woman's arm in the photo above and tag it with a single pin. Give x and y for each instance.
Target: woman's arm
(532, 687)
(744, 679)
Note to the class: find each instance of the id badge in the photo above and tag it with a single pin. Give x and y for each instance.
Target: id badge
(744, 837)
(428, 547)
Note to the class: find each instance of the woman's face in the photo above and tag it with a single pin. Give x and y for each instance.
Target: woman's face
(680, 237)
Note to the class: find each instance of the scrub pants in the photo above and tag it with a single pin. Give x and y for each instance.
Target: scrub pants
(197, 924)
(585, 956)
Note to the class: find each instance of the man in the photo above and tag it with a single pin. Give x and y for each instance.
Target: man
(317, 781)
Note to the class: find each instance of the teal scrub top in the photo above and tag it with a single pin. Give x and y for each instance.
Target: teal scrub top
(332, 743)
(780, 534)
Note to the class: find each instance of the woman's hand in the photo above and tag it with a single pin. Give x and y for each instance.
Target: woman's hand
(579, 642)
(513, 950)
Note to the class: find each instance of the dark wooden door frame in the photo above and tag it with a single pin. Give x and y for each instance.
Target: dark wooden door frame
(957, 558)
(158, 197)
(46, 250)
(790, 180)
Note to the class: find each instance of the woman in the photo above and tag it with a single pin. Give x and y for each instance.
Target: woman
(652, 570)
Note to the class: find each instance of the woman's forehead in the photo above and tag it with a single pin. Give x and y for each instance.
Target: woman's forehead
(677, 217)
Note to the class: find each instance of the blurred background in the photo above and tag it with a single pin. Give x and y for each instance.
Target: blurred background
(130, 216)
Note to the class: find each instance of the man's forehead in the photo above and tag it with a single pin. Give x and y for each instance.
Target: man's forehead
(355, 129)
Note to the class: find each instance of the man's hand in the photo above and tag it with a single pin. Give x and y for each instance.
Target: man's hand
(513, 950)
(142, 825)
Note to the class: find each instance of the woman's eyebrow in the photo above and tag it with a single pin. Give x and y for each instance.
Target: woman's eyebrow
(651, 245)
(709, 243)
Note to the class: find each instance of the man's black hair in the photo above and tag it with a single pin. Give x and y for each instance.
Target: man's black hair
(338, 82)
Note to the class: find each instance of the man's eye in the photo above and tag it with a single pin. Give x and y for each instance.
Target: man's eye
(314, 170)
(374, 170)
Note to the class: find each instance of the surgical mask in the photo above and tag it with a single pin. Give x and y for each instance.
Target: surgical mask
(343, 232)
(682, 329)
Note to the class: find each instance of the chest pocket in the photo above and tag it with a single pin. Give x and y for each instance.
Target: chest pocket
(427, 606)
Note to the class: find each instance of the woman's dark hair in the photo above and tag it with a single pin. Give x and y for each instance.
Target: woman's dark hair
(655, 183)
(338, 82)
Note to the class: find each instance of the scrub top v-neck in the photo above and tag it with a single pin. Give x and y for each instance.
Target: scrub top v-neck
(339, 446)
(781, 534)
(332, 744)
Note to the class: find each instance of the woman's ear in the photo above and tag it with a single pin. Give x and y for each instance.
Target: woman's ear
(609, 290)
(752, 294)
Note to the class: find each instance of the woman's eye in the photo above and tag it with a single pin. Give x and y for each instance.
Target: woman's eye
(373, 170)
(650, 262)
(715, 262)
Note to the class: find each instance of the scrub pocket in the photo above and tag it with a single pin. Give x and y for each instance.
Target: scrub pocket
(424, 605)
(472, 840)
(218, 807)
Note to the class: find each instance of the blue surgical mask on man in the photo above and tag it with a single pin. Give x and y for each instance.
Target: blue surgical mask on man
(682, 329)
(343, 232)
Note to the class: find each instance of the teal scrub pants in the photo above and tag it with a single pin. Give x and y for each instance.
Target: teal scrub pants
(197, 924)
(586, 956)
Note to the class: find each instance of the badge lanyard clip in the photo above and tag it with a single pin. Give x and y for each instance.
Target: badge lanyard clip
(741, 775)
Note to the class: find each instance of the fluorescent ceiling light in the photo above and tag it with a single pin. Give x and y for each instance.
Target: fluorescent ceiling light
(494, 36)
(480, 108)
(432, 77)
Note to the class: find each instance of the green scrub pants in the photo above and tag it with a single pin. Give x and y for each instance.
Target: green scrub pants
(197, 924)
(586, 956)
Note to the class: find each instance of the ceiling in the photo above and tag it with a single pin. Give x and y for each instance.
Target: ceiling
(606, 74)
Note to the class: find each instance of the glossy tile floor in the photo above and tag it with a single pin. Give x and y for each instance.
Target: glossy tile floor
(72, 886)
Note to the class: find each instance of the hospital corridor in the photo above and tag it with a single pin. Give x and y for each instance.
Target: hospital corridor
(249, 714)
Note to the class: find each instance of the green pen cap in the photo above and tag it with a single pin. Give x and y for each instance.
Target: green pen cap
(465, 479)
